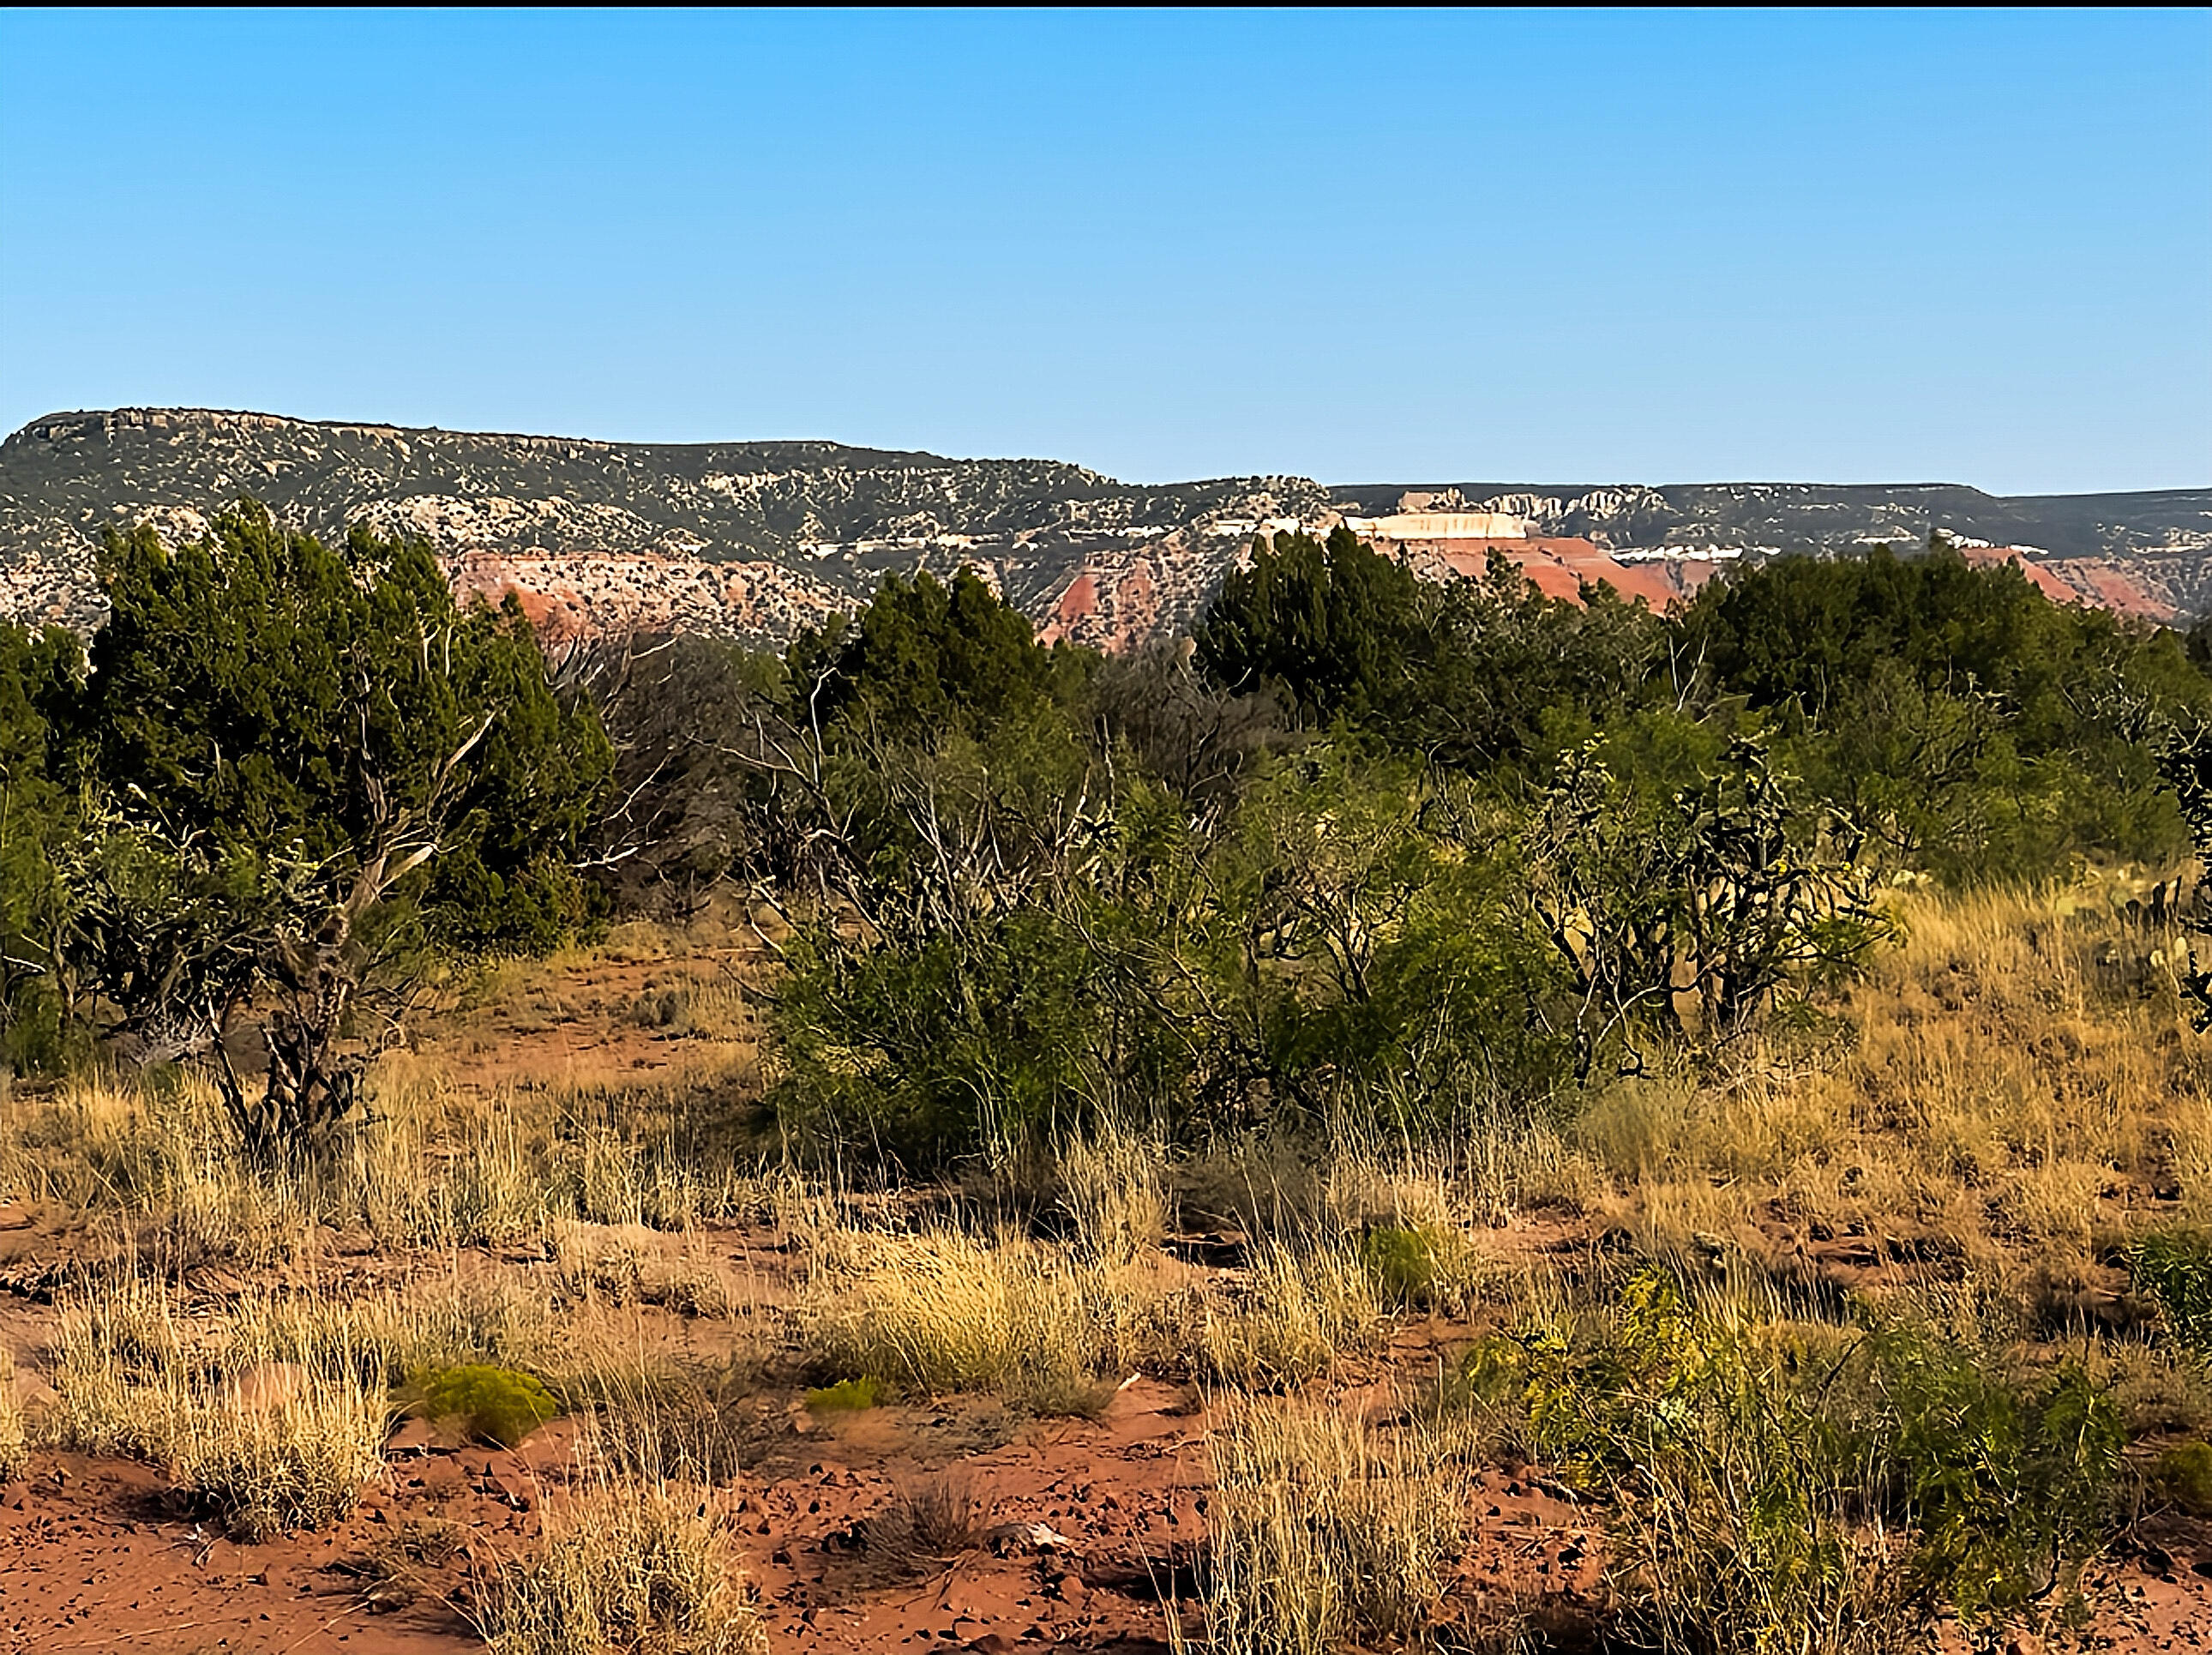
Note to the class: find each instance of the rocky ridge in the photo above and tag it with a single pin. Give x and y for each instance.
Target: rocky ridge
(750, 539)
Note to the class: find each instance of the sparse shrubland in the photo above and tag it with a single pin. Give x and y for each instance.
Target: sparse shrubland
(1739, 1069)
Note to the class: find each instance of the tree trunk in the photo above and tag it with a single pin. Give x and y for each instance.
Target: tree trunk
(313, 1085)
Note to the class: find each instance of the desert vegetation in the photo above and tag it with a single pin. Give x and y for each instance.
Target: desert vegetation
(1423, 1116)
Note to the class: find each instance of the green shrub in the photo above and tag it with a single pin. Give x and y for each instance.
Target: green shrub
(492, 1404)
(932, 1047)
(1403, 1263)
(1966, 723)
(2008, 1487)
(1491, 1374)
(847, 1396)
(2184, 1475)
(2173, 1268)
(1753, 1465)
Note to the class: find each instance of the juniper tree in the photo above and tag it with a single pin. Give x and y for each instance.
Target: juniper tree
(305, 767)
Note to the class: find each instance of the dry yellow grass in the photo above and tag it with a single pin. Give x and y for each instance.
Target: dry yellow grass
(1298, 1308)
(117, 1350)
(274, 1433)
(15, 1438)
(431, 1167)
(1052, 1327)
(2016, 1077)
(946, 1312)
(449, 1153)
(1326, 1532)
(619, 1264)
(1115, 1191)
(628, 1566)
(298, 1460)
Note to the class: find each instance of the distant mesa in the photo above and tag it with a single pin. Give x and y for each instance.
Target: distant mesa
(1442, 544)
(1441, 525)
(749, 540)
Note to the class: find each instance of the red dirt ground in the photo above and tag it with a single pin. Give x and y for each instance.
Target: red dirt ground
(1087, 1535)
(1086, 1538)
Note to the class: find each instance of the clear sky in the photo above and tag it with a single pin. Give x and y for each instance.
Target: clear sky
(1973, 246)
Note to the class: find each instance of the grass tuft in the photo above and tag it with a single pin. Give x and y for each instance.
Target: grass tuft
(1325, 1531)
(1115, 1191)
(683, 1422)
(629, 1566)
(1300, 1308)
(301, 1464)
(272, 1443)
(15, 1440)
(935, 1517)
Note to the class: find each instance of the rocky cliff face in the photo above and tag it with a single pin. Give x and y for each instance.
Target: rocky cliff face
(744, 540)
(749, 539)
(2147, 553)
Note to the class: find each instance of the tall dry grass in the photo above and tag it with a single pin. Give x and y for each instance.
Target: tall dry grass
(431, 1167)
(2018, 1076)
(273, 1434)
(1327, 1532)
(273, 1407)
(299, 1460)
(1113, 1189)
(15, 1437)
(1053, 1328)
(1296, 1310)
(447, 1153)
(628, 1565)
(968, 1303)
(949, 1311)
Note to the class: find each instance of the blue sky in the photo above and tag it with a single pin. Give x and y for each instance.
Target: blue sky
(1548, 246)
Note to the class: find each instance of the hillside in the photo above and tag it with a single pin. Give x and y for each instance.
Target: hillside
(748, 538)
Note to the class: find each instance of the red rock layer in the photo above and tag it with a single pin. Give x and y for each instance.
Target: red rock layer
(2101, 583)
(574, 595)
(1560, 567)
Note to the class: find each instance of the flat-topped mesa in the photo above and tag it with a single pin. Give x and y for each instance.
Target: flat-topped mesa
(750, 539)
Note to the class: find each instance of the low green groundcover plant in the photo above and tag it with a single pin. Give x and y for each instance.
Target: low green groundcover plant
(491, 1404)
(847, 1396)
